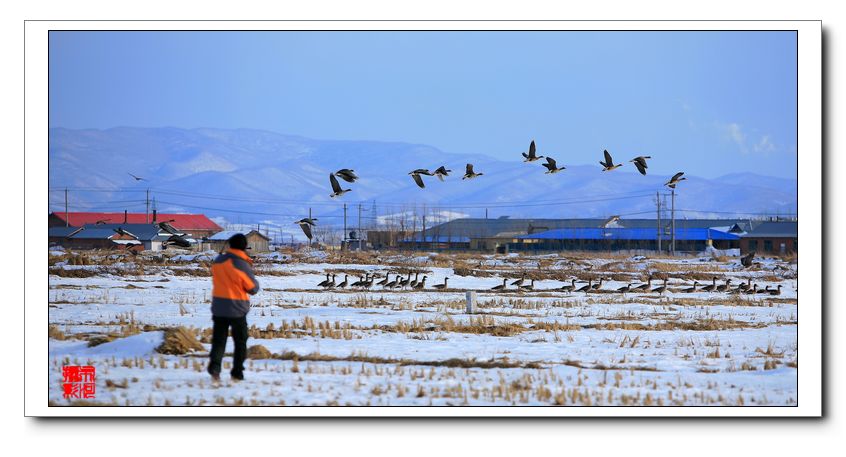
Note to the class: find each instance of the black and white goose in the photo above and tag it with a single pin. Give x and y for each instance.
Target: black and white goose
(336, 187)
(529, 286)
(441, 286)
(501, 286)
(644, 287)
(586, 288)
(519, 282)
(608, 164)
(691, 290)
(416, 175)
(531, 156)
(306, 224)
(324, 282)
(420, 285)
(625, 288)
(550, 166)
(640, 163)
(677, 178)
(442, 172)
(661, 289)
(346, 174)
(470, 174)
(569, 287)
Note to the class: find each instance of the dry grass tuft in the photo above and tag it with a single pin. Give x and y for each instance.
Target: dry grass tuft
(259, 352)
(179, 341)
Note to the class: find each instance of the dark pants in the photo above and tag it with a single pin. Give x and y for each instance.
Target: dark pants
(239, 336)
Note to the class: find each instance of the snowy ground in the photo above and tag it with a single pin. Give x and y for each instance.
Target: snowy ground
(420, 347)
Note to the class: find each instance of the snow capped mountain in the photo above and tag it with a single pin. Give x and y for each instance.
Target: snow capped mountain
(251, 176)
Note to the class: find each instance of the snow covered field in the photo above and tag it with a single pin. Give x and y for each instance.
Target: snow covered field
(420, 347)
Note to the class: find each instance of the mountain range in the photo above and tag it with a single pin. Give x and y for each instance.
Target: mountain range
(242, 176)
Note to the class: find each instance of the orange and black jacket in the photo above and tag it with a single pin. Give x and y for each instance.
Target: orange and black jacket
(233, 280)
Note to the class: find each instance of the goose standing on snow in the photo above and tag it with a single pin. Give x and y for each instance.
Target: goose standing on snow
(776, 291)
(724, 287)
(442, 172)
(519, 282)
(609, 165)
(711, 287)
(416, 176)
(420, 285)
(531, 156)
(644, 287)
(660, 289)
(625, 288)
(384, 281)
(336, 187)
(306, 224)
(501, 286)
(346, 174)
(550, 166)
(691, 290)
(586, 288)
(324, 282)
(344, 283)
(441, 286)
(640, 163)
(470, 174)
(529, 286)
(569, 287)
(677, 178)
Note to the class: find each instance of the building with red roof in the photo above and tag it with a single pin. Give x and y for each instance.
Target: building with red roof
(198, 226)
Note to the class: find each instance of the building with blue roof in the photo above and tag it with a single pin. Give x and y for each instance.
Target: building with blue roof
(615, 239)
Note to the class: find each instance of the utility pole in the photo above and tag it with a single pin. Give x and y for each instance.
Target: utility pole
(344, 237)
(359, 226)
(486, 214)
(658, 203)
(147, 214)
(67, 222)
(673, 220)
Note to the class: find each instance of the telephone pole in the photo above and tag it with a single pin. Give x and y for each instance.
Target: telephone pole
(344, 237)
(673, 220)
(67, 222)
(658, 203)
(147, 213)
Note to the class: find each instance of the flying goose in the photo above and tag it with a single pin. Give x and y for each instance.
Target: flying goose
(690, 290)
(677, 178)
(306, 224)
(531, 156)
(746, 260)
(346, 174)
(420, 285)
(137, 178)
(416, 176)
(501, 286)
(550, 166)
(586, 288)
(470, 174)
(640, 163)
(608, 165)
(441, 286)
(442, 172)
(336, 188)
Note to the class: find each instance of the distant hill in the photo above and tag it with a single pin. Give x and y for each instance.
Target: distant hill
(273, 178)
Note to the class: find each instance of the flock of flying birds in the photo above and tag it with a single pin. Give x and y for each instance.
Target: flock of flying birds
(417, 175)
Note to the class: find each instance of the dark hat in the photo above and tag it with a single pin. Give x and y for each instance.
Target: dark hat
(238, 241)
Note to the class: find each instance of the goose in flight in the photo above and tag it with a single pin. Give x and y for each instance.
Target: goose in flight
(550, 166)
(470, 174)
(640, 163)
(609, 165)
(442, 172)
(137, 178)
(336, 188)
(416, 175)
(531, 156)
(677, 178)
(306, 224)
(346, 174)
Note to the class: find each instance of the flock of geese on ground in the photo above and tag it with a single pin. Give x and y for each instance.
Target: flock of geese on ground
(398, 282)
(441, 172)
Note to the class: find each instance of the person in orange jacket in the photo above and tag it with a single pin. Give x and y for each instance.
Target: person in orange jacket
(233, 283)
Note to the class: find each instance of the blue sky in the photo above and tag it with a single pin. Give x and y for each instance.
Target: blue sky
(708, 103)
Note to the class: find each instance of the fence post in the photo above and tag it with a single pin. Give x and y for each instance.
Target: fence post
(471, 301)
